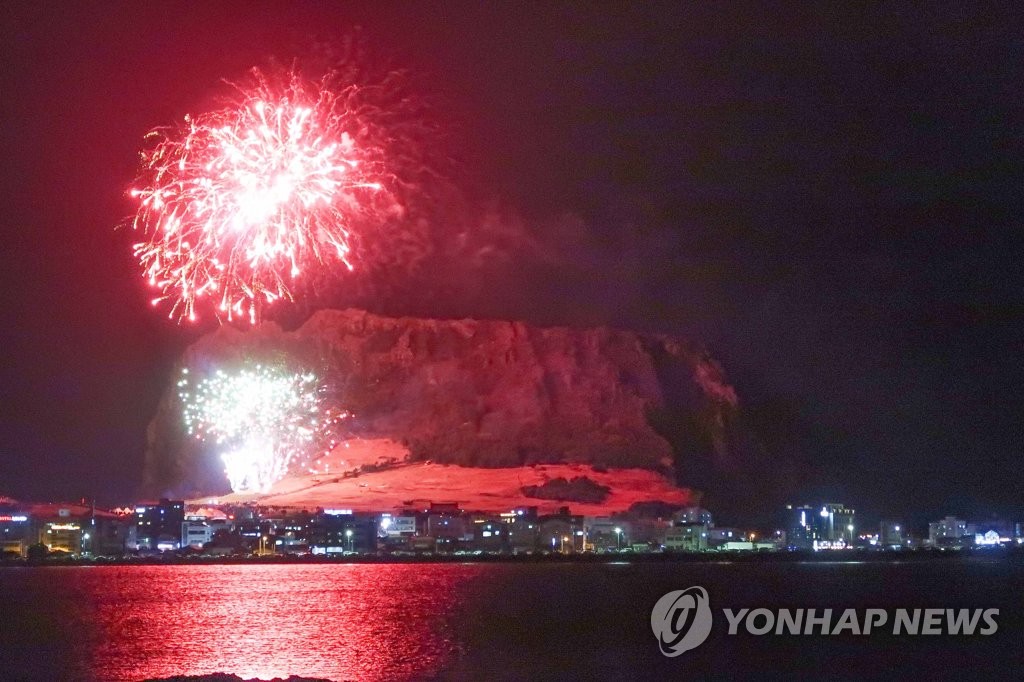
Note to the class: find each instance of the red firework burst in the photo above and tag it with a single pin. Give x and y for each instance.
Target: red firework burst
(237, 203)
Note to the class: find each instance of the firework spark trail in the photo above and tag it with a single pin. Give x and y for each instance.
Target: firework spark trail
(238, 202)
(264, 418)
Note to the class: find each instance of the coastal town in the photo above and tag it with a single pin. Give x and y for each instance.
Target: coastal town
(169, 528)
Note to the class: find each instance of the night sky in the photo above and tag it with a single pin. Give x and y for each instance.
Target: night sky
(830, 200)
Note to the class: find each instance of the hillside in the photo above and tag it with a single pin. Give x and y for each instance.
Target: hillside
(478, 393)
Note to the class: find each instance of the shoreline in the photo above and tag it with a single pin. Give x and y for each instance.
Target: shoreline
(835, 556)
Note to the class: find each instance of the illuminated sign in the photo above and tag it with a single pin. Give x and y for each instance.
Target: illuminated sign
(399, 525)
(989, 538)
(16, 519)
(338, 512)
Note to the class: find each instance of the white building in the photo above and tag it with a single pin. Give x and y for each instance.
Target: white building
(196, 533)
(949, 531)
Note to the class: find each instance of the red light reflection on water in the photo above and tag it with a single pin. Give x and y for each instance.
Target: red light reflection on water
(340, 622)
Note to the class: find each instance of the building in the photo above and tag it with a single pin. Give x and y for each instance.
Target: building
(253, 532)
(158, 524)
(800, 528)
(80, 529)
(830, 526)
(393, 526)
(491, 535)
(196, 533)
(396, 531)
(335, 531)
(293, 533)
(687, 537)
(112, 534)
(993, 532)
(451, 531)
(950, 532)
(15, 529)
(837, 524)
(718, 537)
(561, 532)
(606, 533)
(693, 515)
(64, 528)
(989, 538)
(892, 535)
(202, 525)
(523, 528)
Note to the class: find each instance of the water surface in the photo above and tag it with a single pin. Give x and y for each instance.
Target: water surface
(481, 621)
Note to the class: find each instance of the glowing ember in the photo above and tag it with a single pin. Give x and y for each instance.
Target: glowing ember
(237, 203)
(265, 418)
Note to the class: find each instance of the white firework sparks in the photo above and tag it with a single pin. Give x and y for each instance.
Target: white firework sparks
(263, 417)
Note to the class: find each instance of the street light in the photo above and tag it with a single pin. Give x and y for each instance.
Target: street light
(618, 538)
(348, 534)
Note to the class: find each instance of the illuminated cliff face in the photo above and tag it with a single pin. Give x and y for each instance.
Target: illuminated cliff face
(477, 393)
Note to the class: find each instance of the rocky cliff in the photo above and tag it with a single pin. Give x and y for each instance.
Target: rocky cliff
(479, 393)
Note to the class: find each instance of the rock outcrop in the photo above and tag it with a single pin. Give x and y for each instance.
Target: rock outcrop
(478, 393)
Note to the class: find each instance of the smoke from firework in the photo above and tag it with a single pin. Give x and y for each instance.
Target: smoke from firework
(238, 203)
(262, 418)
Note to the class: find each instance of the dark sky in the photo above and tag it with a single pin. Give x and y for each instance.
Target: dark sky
(829, 199)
